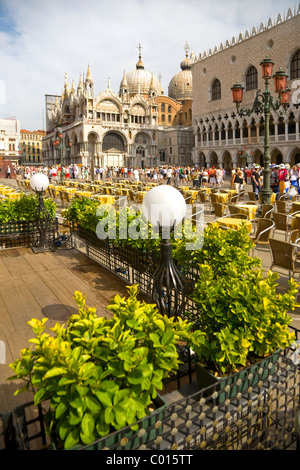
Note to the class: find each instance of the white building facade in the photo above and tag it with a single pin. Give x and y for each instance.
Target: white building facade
(113, 129)
(222, 136)
(10, 139)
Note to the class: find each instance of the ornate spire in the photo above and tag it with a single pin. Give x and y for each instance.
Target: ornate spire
(66, 87)
(88, 75)
(186, 63)
(186, 48)
(80, 84)
(140, 64)
(151, 87)
(124, 83)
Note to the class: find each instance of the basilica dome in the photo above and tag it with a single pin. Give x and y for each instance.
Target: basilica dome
(140, 80)
(181, 86)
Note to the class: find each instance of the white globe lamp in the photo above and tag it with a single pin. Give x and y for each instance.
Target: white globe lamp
(39, 182)
(164, 207)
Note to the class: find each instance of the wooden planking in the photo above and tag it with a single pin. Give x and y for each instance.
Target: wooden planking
(45, 297)
(6, 323)
(4, 272)
(38, 285)
(19, 301)
(16, 265)
(73, 283)
(57, 281)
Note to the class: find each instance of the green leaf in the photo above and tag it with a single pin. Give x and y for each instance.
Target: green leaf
(167, 337)
(104, 398)
(135, 377)
(72, 439)
(160, 324)
(74, 417)
(54, 372)
(92, 403)
(87, 424)
(61, 409)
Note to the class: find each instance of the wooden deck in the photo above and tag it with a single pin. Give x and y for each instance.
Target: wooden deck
(39, 285)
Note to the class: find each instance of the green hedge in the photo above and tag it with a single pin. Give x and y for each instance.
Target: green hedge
(24, 208)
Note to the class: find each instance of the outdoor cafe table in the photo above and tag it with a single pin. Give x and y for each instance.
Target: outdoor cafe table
(83, 193)
(205, 190)
(56, 188)
(140, 195)
(69, 190)
(230, 191)
(192, 193)
(222, 197)
(7, 190)
(231, 222)
(104, 199)
(295, 207)
(13, 195)
(295, 221)
(248, 209)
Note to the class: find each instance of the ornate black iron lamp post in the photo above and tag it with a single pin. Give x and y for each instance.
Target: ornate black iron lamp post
(39, 183)
(58, 143)
(264, 103)
(165, 207)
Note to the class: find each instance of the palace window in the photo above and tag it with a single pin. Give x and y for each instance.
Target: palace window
(216, 90)
(251, 79)
(295, 65)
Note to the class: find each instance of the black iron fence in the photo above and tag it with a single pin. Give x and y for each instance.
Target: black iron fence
(244, 412)
(133, 265)
(252, 410)
(23, 233)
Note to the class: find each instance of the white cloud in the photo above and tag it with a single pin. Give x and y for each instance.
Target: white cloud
(40, 41)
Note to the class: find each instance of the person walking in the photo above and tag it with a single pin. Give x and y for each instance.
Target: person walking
(256, 182)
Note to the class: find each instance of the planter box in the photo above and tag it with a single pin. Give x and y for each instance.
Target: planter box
(248, 377)
(130, 439)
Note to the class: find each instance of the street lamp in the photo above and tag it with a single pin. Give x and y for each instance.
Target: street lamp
(263, 104)
(165, 207)
(39, 183)
(58, 143)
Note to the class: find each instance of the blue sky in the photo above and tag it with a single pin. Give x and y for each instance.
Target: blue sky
(41, 40)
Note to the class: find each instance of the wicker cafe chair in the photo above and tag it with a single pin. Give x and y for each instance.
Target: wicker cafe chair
(220, 209)
(263, 231)
(282, 206)
(283, 223)
(266, 211)
(284, 256)
(241, 195)
(203, 198)
(234, 198)
(233, 209)
(251, 196)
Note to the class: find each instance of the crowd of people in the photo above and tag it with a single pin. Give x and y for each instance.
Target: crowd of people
(169, 174)
(282, 176)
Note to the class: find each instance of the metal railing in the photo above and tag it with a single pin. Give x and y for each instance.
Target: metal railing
(257, 416)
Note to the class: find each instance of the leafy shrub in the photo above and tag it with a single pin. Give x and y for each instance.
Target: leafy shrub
(100, 374)
(24, 208)
(240, 317)
(220, 248)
